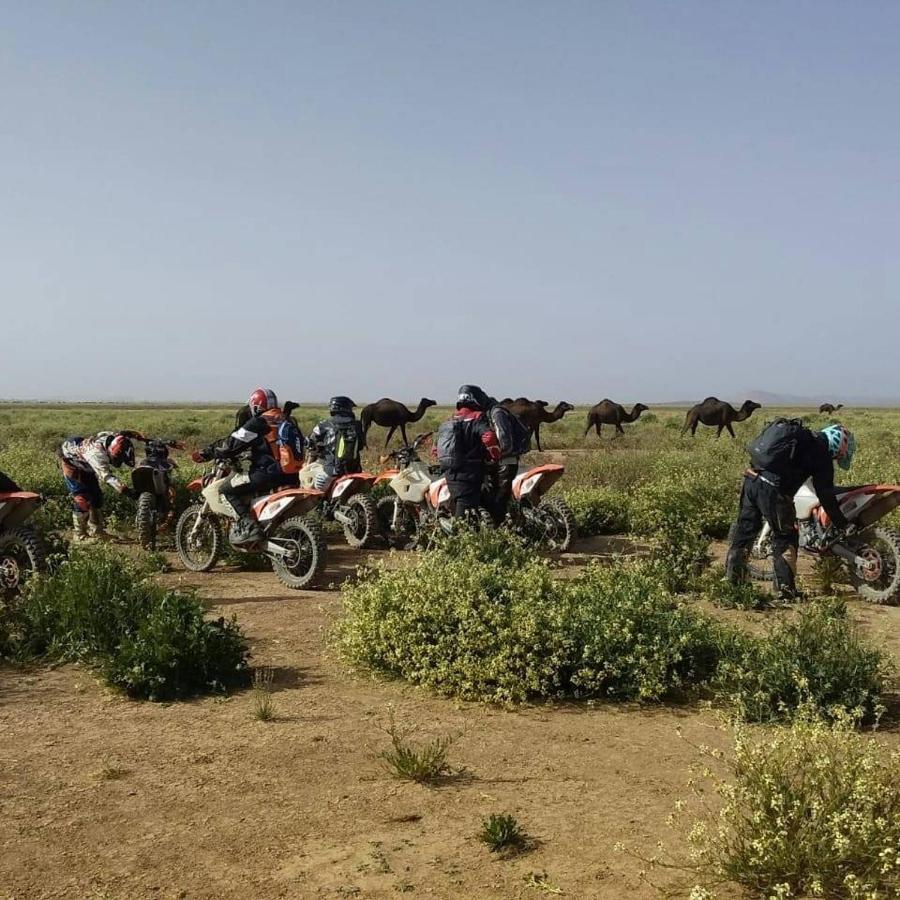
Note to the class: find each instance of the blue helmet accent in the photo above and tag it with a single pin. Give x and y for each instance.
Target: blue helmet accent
(841, 444)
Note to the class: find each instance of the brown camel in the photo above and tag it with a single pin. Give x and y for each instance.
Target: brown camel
(532, 413)
(829, 408)
(392, 414)
(719, 414)
(608, 413)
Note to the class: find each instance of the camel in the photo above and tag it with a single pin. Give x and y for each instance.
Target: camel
(830, 408)
(531, 413)
(608, 413)
(717, 413)
(392, 414)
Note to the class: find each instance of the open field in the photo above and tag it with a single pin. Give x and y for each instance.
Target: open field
(105, 797)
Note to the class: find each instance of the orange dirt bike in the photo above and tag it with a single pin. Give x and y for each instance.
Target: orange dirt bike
(151, 479)
(421, 495)
(870, 552)
(293, 543)
(22, 549)
(346, 500)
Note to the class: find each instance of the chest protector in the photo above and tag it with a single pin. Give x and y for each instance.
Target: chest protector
(284, 441)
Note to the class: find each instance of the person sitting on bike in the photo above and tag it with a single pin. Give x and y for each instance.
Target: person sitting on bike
(337, 442)
(262, 438)
(465, 444)
(782, 458)
(86, 463)
(514, 440)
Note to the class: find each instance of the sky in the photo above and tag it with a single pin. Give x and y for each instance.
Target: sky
(571, 200)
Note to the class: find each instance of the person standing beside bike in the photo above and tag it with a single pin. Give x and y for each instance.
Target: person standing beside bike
(337, 442)
(781, 459)
(465, 444)
(515, 441)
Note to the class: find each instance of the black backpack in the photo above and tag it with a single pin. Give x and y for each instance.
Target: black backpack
(513, 437)
(451, 451)
(346, 445)
(777, 446)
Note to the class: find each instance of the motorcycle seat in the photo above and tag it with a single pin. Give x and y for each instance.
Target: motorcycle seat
(18, 495)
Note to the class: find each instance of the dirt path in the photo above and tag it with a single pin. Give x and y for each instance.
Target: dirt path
(103, 797)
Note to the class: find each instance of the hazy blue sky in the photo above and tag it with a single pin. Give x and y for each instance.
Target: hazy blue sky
(645, 200)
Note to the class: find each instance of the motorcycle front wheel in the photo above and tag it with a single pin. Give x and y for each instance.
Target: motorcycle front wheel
(146, 520)
(199, 550)
(305, 560)
(402, 536)
(361, 530)
(22, 552)
(880, 583)
(759, 560)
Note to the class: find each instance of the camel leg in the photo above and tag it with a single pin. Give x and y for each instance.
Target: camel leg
(590, 425)
(537, 436)
(598, 430)
(730, 429)
(719, 431)
(619, 429)
(390, 435)
(403, 433)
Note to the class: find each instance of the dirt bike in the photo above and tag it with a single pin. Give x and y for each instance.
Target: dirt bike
(294, 544)
(22, 549)
(870, 552)
(346, 501)
(151, 480)
(422, 495)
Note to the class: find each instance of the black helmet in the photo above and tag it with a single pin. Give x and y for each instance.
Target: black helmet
(341, 405)
(472, 396)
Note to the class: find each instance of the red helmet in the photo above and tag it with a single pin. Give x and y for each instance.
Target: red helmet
(261, 400)
(120, 450)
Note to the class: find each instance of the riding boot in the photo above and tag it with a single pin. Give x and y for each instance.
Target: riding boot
(785, 583)
(245, 527)
(736, 565)
(80, 526)
(98, 526)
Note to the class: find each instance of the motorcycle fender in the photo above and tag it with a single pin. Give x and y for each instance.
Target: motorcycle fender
(412, 484)
(17, 508)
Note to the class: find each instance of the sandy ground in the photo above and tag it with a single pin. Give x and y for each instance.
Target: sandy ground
(101, 797)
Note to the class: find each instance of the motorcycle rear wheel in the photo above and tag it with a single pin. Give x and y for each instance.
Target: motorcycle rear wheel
(201, 553)
(22, 552)
(361, 534)
(881, 545)
(559, 524)
(307, 560)
(146, 520)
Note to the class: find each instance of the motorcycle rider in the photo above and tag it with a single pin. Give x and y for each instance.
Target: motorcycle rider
(514, 441)
(768, 493)
(86, 463)
(261, 436)
(465, 444)
(337, 442)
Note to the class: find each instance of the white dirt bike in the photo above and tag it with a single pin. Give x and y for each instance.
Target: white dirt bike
(870, 553)
(294, 544)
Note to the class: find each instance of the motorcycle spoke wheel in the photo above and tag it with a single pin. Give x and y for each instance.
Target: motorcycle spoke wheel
(22, 553)
(880, 581)
(146, 520)
(199, 550)
(305, 560)
(759, 559)
(361, 532)
(406, 532)
(558, 520)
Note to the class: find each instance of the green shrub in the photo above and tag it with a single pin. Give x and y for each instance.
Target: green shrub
(598, 510)
(481, 617)
(744, 595)
(807, 811)
(502, 833)
(423, 763)
(816, 658)
(147, 640)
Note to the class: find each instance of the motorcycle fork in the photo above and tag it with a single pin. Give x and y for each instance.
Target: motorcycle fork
(203, 510)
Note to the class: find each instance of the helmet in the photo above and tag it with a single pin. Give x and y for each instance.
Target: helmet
(472, 396)
(261, 400)
(341, 404)
(841, 444)
(120, 450)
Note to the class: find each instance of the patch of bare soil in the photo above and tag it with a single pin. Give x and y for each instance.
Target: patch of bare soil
(108, 798)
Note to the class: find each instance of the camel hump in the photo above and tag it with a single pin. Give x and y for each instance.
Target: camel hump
(712, 400)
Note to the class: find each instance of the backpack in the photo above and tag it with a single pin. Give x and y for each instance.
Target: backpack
(346, 443)
(514, 438)
(285, 442)
(450, 444)
(776, 447)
